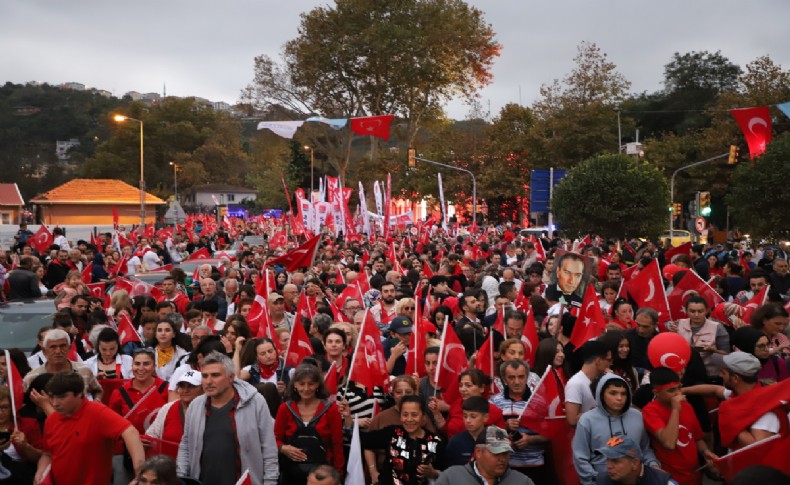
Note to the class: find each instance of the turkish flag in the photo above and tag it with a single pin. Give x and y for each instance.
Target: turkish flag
(301, 257)
(279, 239)
(590, 322)
(144, 411)
(41, 240)
(245, 478)
(522, 302)
(684, 248)
(126, 331)
(630, 273)
(426, 269)
(415, 356)
(97, 289)
(115, 217)
(772, 452)
(368, 366)
(330, 380)
(163, 269)
(499, 323)
(545, 415)
(755, 123)
(137, 288)
(201, 253)
(350, 291)
(378, 126)
(738, 413)
(15, 385)
(160, 447)
(485, 359)
(647, 290)
(299, 346)
(754, 303)
(87, 273)
(690, 284)
(530, 338)
(452, 361)
(120, 268)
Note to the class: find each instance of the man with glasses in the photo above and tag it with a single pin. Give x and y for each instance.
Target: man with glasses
(350, 308)
(56, 349)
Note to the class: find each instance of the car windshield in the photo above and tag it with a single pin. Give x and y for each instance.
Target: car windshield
(19, 330)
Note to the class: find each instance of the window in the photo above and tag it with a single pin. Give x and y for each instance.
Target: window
(231, 197)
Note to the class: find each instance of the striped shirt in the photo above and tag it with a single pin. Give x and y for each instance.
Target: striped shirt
(531, 456)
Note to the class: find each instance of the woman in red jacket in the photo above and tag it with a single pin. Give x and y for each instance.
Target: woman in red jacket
(472, 382)
(308, 428)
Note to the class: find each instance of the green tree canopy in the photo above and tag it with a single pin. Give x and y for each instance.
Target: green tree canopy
(367, 57)
(614, 196)
(759, 200)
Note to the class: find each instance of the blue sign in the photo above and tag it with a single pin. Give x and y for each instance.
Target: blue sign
(540, 188)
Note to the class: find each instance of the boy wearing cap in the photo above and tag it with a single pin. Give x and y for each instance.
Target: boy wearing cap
(675, 433)
(624, 465)
(489, 463)
(396, 347)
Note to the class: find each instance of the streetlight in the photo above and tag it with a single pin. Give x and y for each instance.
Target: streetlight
(312, 163)
(175, 179)
(121, 119)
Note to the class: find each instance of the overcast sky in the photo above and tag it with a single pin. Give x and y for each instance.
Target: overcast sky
(206, 47)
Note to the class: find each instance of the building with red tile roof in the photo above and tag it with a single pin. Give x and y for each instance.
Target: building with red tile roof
(91, 201)
(11, 204)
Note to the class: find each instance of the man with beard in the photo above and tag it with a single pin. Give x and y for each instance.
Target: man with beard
(385, 309)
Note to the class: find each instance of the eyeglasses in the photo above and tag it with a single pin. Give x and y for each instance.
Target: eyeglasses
(353, 308)
(408, 308)
(144, 350)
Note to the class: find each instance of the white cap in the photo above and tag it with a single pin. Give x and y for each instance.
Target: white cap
(190, 377)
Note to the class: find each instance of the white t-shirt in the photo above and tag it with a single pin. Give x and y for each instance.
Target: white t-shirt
(578, 391)
(132, 264)
(151, 260)
(62, 242)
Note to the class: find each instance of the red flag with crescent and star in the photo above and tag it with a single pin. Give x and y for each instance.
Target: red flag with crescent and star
(690, 284)
(378, 126)
(647, 290)
(42, 240)
(452, 361)
(590, 322)
(368, 366)
(755, 123)
(301, 257)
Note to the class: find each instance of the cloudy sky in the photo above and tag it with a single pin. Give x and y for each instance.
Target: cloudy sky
(206, 47)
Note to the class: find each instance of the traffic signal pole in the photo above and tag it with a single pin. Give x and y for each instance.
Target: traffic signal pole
(672, 186)
(474, 181)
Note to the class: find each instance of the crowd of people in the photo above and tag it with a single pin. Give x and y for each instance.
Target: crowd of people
(184, 384)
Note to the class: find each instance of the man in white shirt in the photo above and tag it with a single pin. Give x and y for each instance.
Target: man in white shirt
(578, 396)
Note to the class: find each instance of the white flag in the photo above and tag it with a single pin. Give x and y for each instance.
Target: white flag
(355, 472)
(285, 129)
(441, 201)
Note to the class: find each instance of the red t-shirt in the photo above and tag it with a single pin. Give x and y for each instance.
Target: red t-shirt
(94, 428)
(681, 462)
(146, 412)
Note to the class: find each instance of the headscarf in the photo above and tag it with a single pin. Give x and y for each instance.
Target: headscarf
(745, 338)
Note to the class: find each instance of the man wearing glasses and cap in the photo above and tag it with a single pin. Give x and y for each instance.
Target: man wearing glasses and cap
(489, 463)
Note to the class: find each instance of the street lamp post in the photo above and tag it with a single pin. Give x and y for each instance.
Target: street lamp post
(121, 119)
(175, 180)
(312, 164)
(672, 187)
(474, 183)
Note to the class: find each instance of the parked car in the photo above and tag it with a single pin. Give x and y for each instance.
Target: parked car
(20, 322)
(678, 237)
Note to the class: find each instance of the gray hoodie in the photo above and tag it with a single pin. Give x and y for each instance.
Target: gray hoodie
(598, 425)
(254, 429)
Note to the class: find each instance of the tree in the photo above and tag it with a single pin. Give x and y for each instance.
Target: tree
(758, 200)
(612, 195)
(367, 57)
(575, 118)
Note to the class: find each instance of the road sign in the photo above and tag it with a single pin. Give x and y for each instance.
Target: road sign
(699, 224)
(540, 188)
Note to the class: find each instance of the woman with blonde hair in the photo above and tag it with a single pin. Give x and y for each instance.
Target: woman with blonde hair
(70, 287)
(405, 307)
(120, 304)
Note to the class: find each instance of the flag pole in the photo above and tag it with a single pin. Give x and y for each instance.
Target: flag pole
(10, 379)
(441, 353)
(354, 358)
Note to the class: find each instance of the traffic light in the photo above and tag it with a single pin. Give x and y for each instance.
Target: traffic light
(734, 154)
(703, 203)
(676, 208)
(412, 158)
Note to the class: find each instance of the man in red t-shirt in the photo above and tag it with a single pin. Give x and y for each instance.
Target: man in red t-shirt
(78, 427)
(675, 433)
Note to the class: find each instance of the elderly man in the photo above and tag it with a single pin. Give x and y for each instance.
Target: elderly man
(489, 463)
(209, 289)
(227, 430)
(56, 349)
(625, 466)
(279, 317)
(291, 296)
(231, 290)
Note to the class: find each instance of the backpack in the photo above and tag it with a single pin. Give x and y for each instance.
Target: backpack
(307, 439)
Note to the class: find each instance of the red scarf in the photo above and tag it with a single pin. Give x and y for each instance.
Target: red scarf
(268, 370)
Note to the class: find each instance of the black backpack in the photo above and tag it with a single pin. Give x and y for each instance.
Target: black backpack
(306, 438)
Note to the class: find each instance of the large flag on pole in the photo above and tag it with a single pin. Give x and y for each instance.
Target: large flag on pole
(755, 123)
(301, 257)
(368, 366)
(590, 322)
(452, 361)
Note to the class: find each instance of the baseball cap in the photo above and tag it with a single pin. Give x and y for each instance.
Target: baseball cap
(273, 297)
(742, 363)
(619, 447)
(495, 439)
(401, 324)
(190, 377)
